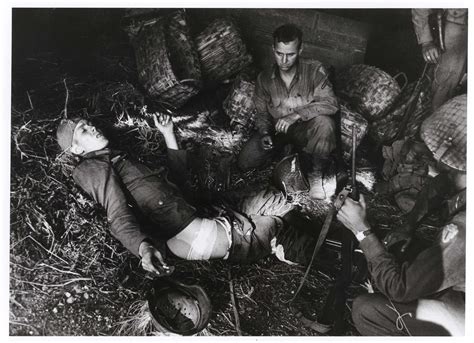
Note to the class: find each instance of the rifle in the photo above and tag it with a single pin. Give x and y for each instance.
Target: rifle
(439, 22)
(335, 303)
(412, 102)
(333, 310)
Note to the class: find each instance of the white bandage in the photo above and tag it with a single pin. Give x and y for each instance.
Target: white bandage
(203, 243)
(223, 222)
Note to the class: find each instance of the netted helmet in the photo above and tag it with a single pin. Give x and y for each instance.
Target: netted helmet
(445, 133)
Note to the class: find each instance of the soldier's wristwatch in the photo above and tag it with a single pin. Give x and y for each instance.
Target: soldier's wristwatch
(362, 234)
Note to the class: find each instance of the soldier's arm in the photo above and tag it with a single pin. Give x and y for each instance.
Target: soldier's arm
(324, 100)
(263, 119)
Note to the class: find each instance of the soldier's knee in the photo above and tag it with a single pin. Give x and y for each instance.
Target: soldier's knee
(246, 161)
(326, 122)
(362, 308)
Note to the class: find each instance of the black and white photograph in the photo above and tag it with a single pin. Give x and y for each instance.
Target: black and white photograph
(236, 171)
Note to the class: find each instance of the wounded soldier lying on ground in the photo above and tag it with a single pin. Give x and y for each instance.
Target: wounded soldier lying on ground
(115, 181)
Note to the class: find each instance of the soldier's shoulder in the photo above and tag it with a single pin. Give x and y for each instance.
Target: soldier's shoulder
(312, 64)
(266, 74)
(90, 165)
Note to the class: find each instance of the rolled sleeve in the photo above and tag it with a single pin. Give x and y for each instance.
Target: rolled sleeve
(421, 25)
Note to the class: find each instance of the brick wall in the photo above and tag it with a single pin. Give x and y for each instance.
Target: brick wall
(331, 39)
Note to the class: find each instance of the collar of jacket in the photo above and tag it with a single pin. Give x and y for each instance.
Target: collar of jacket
(111, 154)
(276, 71)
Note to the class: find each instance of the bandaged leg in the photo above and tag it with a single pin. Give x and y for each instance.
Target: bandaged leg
(202, 239)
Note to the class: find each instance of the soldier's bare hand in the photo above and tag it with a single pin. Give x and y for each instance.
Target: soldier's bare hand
(283, 124)
(267, 142)
(163, 123)
(152, 260)
(430, 52)
(353, 215)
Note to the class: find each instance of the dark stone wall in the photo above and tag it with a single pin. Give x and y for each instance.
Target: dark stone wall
(334, 40)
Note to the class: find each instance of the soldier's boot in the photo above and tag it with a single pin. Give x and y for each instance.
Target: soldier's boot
(316, 190)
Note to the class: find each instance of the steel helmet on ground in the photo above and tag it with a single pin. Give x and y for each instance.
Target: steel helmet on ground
(178, 308)
(288, 176)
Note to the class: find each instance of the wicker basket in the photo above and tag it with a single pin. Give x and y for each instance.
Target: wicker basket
(387, 128)
(370, 91)
(168, 66)
(348, 120)
(221, 50)
(134, 19)
(239, 105)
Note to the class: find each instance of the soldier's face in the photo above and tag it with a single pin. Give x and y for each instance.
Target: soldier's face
(286, 54)
(87, 138)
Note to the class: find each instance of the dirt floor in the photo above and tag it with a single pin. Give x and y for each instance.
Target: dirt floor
(68, 276)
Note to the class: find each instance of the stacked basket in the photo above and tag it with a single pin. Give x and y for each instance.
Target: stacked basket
(239, 105)
(221, 50)
(348, 120)
(388, 128)
(168, 65)
(370, 91)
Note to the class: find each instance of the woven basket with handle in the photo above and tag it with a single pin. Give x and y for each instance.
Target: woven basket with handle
(221, 50)
(239, 105)
(168, 65)
(369, 90)
(388, 127)
(348, 120)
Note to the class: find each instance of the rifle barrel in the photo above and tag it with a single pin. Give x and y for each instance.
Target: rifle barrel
(354, 146)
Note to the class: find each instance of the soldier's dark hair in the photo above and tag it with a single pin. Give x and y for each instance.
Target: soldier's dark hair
(287, 33)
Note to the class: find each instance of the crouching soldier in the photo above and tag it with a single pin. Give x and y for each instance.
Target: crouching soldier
(426, 295)
(114, 181)
(295, 104)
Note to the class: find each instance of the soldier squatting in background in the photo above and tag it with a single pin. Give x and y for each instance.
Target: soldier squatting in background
(294, 102)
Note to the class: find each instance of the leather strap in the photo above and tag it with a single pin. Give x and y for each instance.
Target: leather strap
(341, 197)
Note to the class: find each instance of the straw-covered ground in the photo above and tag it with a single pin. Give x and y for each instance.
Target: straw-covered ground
(68, 276)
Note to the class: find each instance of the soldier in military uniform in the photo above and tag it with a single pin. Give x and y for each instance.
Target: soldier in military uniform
(149, 215)
(294, 102)
(426, 295)
(450, 55)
